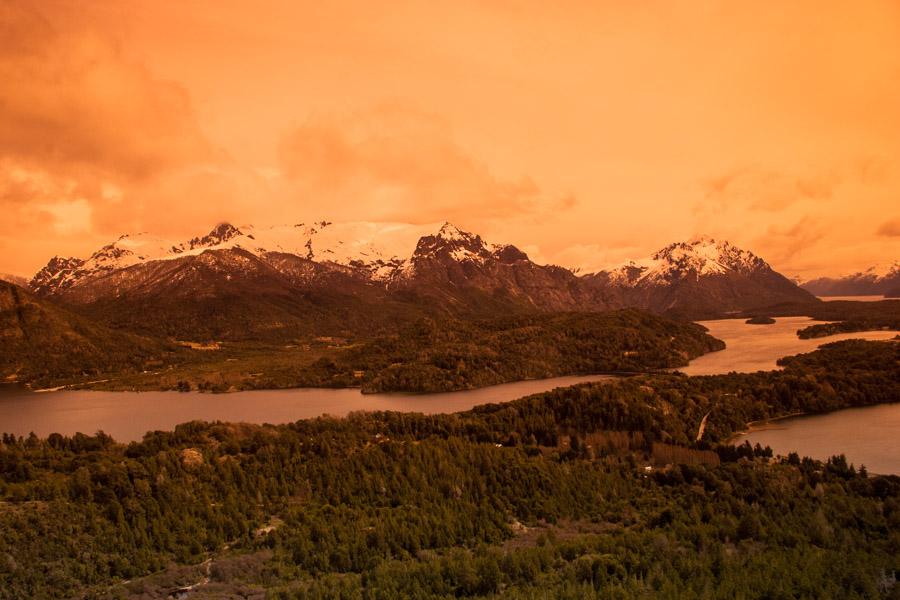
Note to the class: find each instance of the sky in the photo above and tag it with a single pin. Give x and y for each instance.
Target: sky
(586, 133)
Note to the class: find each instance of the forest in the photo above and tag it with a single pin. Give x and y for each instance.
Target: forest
(446, 355)
(436, 355)
(591, 491)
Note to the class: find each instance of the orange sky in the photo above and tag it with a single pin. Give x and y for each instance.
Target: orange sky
(585, 132)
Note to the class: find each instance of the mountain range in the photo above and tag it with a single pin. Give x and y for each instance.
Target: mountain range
(335, 278)
(881, 280)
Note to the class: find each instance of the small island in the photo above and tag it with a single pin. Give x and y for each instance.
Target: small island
(760, 321)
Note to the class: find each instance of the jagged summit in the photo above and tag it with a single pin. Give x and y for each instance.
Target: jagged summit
(701, 276)
(450, 240)
(220, 234)
(449, 231)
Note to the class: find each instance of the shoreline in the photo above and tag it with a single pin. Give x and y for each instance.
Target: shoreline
(762, 424)
(88, 386)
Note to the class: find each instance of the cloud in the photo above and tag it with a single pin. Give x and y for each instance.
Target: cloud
(890, 228)
(73, 102)
(92, 143)
(590, 258)
(767, 189)
(392, 162)
(784, 243)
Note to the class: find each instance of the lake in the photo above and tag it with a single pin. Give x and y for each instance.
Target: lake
(867, 436)
(127, 415)
(852, 298)
(752, 348)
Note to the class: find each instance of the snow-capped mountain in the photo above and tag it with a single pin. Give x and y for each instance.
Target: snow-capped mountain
(235, 281)
(877, 280)
(696, 258)
(376, 250)
(701, 276)
(303, 277)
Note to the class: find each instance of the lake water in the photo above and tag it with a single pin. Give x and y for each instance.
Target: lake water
(752, 348)
(867, 436)
(127, 415)
(854, 298)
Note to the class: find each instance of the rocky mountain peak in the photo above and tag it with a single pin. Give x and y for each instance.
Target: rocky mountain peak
(454, 243)
(220, 234)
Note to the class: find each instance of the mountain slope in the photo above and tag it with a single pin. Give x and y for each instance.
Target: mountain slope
(873, 281)
(43, 342)
(235, 295)
(14, 279)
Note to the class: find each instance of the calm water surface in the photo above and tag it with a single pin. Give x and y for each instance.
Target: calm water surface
(752, 348)
(867, 436)
(854, 298)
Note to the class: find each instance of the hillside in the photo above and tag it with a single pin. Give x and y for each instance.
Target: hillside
(435, 355)
(43, 342)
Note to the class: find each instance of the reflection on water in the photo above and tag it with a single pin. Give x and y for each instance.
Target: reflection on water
(752, 348)
(867, 436)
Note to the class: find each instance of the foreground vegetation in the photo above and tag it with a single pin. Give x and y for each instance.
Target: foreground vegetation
(547, 496)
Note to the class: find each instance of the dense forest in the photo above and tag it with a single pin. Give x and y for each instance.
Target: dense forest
(446, 355)
(591, 491)
(442, 355)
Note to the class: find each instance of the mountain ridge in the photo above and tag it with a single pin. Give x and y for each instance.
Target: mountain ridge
(435, 268)
(876, 280)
